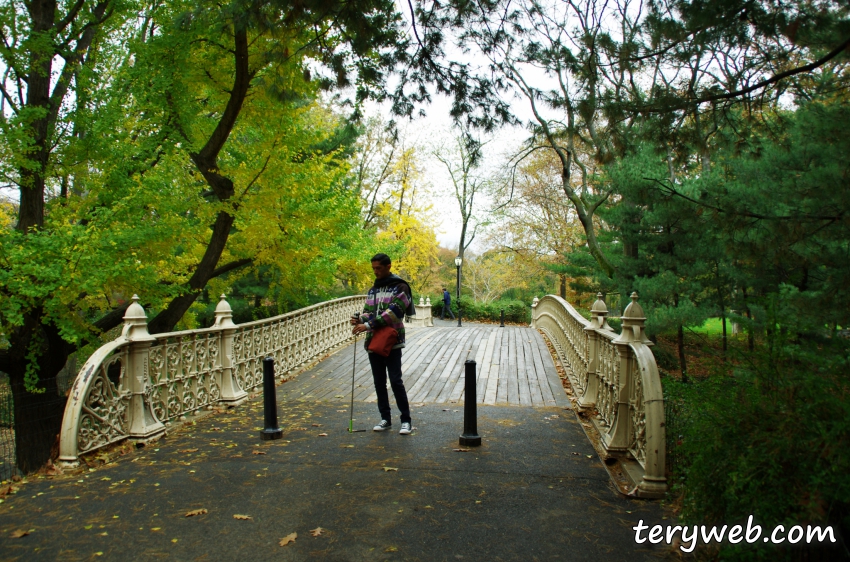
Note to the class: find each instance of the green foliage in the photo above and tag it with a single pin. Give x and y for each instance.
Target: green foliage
(773, 440)
(515, 310)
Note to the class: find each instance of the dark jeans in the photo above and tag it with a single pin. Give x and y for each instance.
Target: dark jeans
(445, 308)
(392, 365)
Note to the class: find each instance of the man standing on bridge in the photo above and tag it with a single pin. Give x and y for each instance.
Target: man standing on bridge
(387, 302)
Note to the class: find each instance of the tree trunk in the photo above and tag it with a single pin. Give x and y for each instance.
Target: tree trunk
(563, 286)
(39, 72)
(38, 410)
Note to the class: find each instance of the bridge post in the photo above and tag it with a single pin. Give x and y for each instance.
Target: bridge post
(231, 393)
(271, 431)
(142, 422)
(470, 437)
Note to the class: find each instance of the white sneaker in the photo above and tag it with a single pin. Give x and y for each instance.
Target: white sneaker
(383, 426)
(405, 429)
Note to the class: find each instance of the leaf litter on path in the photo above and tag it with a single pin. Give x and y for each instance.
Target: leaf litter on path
(195, 512)
(317, 532)
(242, 517)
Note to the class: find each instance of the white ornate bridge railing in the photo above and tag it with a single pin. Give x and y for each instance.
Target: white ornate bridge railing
(134, 386)
(615, 376)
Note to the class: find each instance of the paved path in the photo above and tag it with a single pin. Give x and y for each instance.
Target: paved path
(513, 366)
(535, 490)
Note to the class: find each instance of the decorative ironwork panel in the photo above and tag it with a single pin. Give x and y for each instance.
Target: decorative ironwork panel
(185, 373)
(103, 418)
(608, 373)
(637, 410)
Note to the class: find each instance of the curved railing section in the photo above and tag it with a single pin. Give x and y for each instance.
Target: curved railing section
(566, 329)
(616, 377)
(134, 386)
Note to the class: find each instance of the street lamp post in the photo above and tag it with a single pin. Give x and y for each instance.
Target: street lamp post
(458, 262)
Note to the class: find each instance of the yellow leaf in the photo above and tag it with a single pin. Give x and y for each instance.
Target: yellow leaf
(390, 469)
(21, 533)
(242, 517)
(316, 532)
(290, 538)
(196, 512)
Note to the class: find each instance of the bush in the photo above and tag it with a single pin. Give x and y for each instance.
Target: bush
(772, 441)
(516, 311)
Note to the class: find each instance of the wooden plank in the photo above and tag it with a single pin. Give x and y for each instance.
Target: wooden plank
(451, 375)
(428, 355)
(510, 371)
(502, 373)
(493, 372)
(543, 381)
(459, 386)
(530, 370)
(486, 364)
(552, 374)
(523, 384)
(438, 379)
(424, 383)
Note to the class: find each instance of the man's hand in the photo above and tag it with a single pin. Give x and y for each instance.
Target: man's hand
(358, 329)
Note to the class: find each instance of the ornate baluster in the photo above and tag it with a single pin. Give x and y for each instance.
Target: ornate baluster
(143, 424)
(231, 393)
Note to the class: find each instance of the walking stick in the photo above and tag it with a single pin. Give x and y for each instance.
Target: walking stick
(353, 370)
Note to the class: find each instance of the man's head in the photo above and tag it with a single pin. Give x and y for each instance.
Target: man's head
(444, 289)
(381, 265)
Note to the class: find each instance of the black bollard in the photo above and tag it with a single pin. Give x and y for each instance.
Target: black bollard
(470, 437)
(502, 325)
(272, 431)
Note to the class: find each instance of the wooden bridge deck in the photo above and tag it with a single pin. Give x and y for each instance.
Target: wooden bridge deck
(514, 368)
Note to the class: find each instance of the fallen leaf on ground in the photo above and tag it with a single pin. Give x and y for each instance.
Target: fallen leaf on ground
(188, 451)
(390, 468)
(461, 450)
(242, 517)
(589, 456)
(6, 491)
(21, 533)
(317, 425)
(196, 512)
(391, 549)
(288, 539)
(317, 531)
(258, 452)
(323, 435)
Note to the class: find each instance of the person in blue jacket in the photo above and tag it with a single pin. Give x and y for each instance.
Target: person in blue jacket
(447, 304)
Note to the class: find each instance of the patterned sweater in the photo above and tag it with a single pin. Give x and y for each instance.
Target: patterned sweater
(386, 306)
